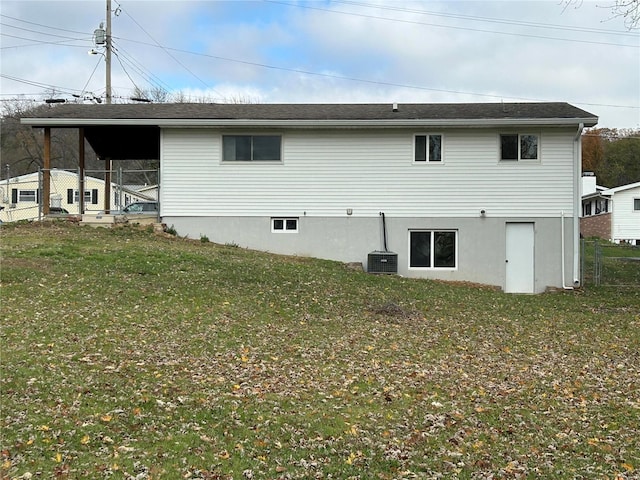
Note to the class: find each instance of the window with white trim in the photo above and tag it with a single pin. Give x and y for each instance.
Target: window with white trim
(27, 196)
(284, 225)
(87, 196)
(519, 146)
(251, 148)
(427, 148)
(636, 204)
(433, 249)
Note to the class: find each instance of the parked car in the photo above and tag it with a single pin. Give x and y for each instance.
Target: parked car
(141, 207)
(135, 208)
(58, 211)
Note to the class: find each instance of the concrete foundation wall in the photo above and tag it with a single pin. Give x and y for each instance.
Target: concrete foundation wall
(480, 255)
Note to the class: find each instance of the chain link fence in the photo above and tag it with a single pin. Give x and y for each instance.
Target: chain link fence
(608, 264)
(21, 198)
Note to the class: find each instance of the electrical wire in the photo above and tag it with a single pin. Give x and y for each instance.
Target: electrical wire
(84, 89)
(62, 43)
(373, 82)
(489, 19)
(167, 50)
(141, 69)
(413, 22)
(42, 25)
(125, 70)
(39, 32)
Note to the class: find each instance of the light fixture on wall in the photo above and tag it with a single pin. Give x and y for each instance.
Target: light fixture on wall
(483, 213)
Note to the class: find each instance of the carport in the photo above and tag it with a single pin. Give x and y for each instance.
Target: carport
(110, 137)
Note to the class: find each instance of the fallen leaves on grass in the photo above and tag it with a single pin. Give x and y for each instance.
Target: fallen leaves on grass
(211, 362)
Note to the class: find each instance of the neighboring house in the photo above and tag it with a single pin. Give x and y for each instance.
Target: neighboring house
(610, 213)
(441, 191)
(21, 199)
(595, 219)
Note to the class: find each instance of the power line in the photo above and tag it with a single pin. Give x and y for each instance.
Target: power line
(62, 43)
(491, 20)
(39, 32)
(69, 91)
(141, 69)
(43, 25)
(167, 51)
(414, 22)
(374, 82)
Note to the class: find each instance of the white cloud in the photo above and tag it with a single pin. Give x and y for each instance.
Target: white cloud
(271, 44)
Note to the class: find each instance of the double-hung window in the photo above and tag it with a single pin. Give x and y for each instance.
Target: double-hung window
(433, 249)
(251, 148)
(518, 146)
(427, 148)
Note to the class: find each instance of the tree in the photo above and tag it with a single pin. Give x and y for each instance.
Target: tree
(629, 10)
(613, 155)
(623, 162)
(22, 146)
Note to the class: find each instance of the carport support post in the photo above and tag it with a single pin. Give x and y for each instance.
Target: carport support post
(46, 173)
(107, 185)
(81, 171)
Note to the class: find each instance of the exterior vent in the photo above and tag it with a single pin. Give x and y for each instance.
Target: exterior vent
(382, 262)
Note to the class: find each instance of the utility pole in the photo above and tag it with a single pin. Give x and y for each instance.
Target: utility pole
(108, 54)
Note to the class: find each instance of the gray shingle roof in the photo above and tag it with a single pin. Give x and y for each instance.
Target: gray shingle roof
(310, 112)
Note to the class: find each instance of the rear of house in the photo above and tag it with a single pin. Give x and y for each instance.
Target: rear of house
(483, 193)
(451, 201)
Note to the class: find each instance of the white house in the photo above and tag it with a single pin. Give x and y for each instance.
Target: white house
(610, 213)
(442, 191)
(625, 213)
(20, 197)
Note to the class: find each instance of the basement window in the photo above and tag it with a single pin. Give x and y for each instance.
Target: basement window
(433, 249)
(284, 225)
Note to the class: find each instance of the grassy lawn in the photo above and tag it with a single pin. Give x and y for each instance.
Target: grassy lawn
(620, 264)
(127, 354)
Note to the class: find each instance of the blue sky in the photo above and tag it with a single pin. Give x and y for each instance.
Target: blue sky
(330, 51)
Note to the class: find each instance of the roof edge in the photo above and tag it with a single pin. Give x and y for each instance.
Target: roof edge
(379, 123)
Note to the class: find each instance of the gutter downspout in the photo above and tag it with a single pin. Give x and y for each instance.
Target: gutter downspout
(576, 207)
(562, 254)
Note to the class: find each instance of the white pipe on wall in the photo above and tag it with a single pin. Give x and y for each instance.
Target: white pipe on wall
(576, 206)
(562, 254)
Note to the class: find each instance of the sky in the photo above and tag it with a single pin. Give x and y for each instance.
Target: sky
(327, 51)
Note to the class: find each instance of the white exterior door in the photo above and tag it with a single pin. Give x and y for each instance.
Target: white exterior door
(519, 276)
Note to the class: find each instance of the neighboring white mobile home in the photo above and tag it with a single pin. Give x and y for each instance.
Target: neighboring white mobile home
(20, 197)
(442, 191)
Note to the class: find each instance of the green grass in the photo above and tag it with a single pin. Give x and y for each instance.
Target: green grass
(620, 263)
(132, 355)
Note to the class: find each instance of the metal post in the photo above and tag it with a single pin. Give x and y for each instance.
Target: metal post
(46, 180)
(81, 171)
(107, 185)
(108, 55)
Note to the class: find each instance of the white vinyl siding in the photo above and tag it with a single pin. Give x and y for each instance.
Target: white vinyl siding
(326, 172)
(626, 220)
